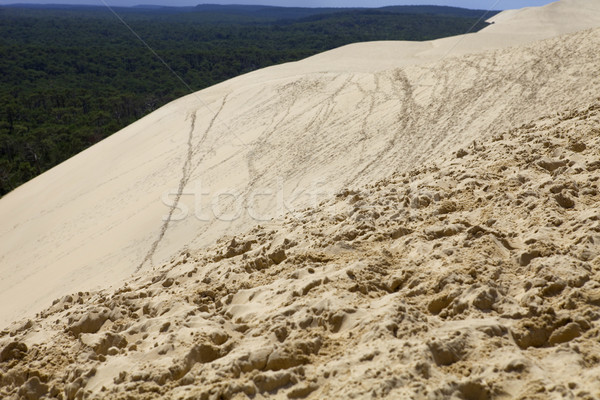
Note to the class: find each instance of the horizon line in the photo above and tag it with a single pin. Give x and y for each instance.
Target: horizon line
(232, 5)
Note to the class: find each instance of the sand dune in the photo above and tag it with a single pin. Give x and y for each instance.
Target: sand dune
(400, 220)
(510, 28)
(303, 129)
(473, 276)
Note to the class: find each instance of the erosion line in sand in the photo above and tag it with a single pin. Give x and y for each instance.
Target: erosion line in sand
(463, 36)
(192, 91)
(205, 136)
(409, 115)
(186, 173)
(185, 177)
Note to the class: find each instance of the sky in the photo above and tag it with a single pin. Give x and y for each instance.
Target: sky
(478, 4)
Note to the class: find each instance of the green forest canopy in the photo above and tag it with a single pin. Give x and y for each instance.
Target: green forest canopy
(71, 76)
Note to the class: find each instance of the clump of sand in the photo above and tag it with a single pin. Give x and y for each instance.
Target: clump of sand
(474, 276)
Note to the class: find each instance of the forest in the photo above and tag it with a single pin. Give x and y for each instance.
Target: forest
(72, 75)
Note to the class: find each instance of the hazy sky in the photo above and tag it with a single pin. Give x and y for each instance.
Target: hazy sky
(480, 4)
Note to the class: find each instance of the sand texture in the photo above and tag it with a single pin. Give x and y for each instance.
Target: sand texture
(476, 276)
(420, 221)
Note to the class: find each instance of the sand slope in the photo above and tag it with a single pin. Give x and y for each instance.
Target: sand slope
(304, 129)
(474, 276)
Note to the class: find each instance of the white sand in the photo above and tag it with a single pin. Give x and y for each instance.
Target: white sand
(345, 117)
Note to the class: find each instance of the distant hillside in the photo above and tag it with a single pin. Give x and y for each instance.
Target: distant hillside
(280, 13)
(439, 10)
(266, 12)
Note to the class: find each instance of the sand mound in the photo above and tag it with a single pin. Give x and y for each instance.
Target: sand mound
(474, 276)
(282, 139)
